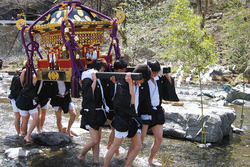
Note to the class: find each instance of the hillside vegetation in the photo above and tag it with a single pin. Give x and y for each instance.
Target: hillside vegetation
(144, 33)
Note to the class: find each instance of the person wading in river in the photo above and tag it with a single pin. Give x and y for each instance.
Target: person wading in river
(15, 89)
(150, 110)
(126, 122)
(94, 108)
(61, 101)
(109, 92)
(27, 104)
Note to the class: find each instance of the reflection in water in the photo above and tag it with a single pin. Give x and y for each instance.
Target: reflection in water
(233, 151)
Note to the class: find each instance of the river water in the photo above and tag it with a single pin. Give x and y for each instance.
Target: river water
(233, 151)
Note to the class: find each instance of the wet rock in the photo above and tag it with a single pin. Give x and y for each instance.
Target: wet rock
(238, 102)
(237, 130)
(51, 139)
(186, 121)
(208, 94)
(227, 87)
(217, 72)
(238, 93)
(14, 153)
(207, 145)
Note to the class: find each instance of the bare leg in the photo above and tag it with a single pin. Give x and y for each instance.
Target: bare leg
(17, 123)
(143, 135)
(137, 146)
(72, 118)
(42, 118)
(25, 120)
(32, 126)
(111, 138)
(131, 146)
(38, 122)
(117, 142)
(94, 140)
(59, 119)
(96, 148)
(144, 132)
(158, 136)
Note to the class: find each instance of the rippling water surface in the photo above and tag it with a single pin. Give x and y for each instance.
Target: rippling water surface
(233, 151)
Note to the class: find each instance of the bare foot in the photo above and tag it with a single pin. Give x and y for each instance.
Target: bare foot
(27, 139)
(68, 132)
(155, 164)
(80, 156)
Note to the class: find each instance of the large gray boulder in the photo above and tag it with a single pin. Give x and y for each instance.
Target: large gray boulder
(238, 93)
(185, 121)
(51, 139)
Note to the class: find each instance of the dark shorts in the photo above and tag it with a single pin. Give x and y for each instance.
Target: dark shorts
(123, 124)
(42, 101)
(94, 120)
(110, 114)
(158, 118)
(61, 102)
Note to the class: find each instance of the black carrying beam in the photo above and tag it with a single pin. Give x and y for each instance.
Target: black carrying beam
(13, 72)
(118, 75)
(164, 70)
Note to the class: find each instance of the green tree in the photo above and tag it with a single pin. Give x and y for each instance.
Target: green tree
(237, 42)
(238, 38)
(187, 42)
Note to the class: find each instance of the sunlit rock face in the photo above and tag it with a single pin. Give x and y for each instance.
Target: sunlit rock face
(186, 121)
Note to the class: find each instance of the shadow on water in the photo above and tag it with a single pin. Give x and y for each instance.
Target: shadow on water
(232, 151)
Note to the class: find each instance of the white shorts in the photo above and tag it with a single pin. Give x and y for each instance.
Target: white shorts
(13, 103)
(24, 113)
(71, 106)
(121, 135)
(44, 107)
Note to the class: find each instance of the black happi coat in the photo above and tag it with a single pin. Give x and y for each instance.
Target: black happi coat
(48, 90)
(166, 92)
(125, 118)
(90, 102)
(57, 100)
(109, 89)
(15, 87)
(26, 99)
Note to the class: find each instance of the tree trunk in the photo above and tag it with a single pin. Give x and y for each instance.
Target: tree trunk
(199, 7)
(204, 14)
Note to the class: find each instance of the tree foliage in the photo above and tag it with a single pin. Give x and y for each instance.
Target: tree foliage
(186, 41)
(143, 26)
(238, 38)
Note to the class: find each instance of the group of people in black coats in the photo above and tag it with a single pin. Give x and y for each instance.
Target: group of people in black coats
(32, 99)
(131, 107)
